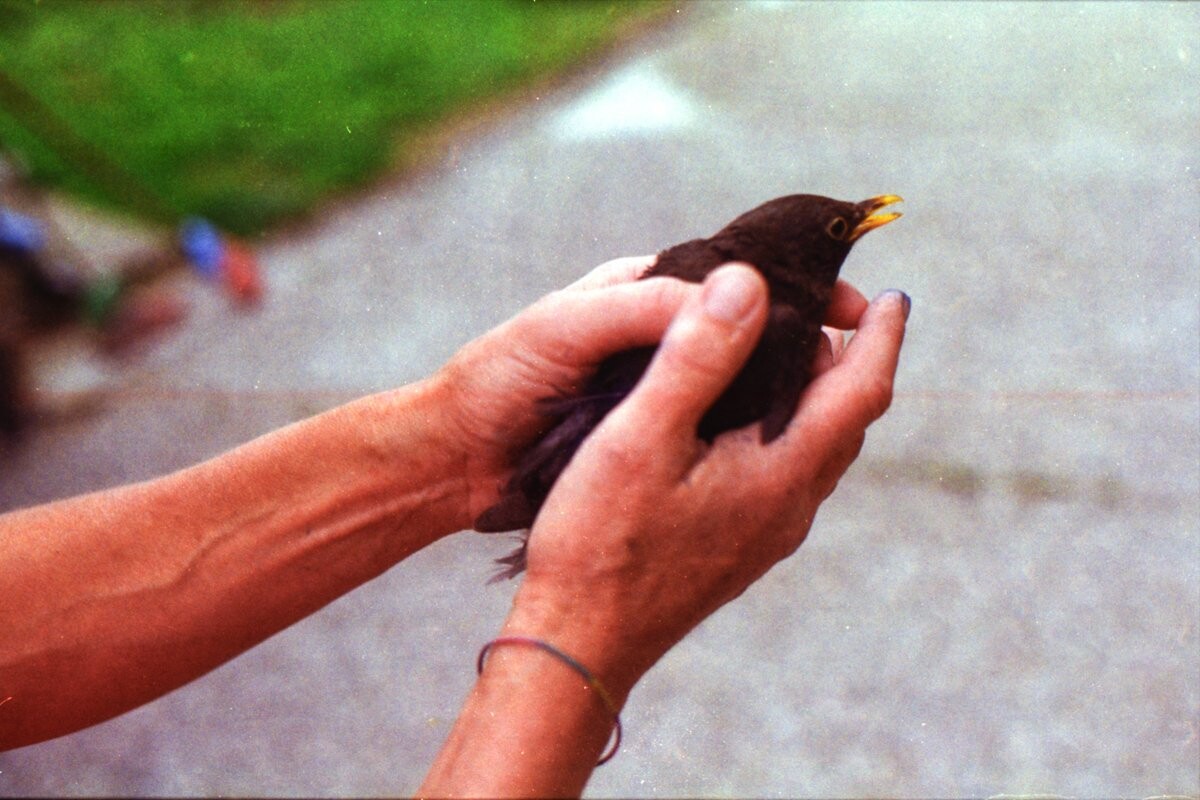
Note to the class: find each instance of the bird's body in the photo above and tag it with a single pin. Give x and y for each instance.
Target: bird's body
(798, 243)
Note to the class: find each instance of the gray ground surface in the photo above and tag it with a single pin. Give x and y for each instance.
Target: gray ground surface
(1003, 595)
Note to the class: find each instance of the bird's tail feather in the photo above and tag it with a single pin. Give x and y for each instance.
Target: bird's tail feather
(538, 470)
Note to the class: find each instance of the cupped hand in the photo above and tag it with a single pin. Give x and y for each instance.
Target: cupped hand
(649, 530)
(493, 385)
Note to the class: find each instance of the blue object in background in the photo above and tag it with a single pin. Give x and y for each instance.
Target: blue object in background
(203, 246)
(20, 232)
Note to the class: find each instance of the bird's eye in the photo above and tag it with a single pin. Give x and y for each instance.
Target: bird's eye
(837, 229)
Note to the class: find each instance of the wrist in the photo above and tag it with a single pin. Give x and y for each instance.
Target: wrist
(477, 433)
(535, 724)
(408, 445)
(586, 626)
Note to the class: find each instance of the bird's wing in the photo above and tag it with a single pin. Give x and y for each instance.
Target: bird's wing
(689, 261)
(788, 345)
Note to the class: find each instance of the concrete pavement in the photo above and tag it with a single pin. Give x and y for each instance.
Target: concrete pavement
(1003, 594)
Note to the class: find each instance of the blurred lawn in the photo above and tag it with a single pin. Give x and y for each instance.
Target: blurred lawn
(251, 112)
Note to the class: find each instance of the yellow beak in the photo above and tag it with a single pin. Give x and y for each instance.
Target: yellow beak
(873, 220)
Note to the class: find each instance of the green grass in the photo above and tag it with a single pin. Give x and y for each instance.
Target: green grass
(250, 113)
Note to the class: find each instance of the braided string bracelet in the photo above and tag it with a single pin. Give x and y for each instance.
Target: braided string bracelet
(587, 675)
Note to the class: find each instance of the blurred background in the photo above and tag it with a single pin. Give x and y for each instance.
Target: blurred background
(220, 217)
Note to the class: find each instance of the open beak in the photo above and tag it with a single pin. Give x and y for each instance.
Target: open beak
(874, 220)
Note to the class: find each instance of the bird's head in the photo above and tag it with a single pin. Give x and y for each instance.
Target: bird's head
(817, 230)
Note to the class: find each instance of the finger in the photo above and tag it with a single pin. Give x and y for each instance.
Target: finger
(825, 357)
(846, 305)
(829, 350)
(619, 270)
(706, 345)
(835, 466)
(837, 341)
(588, 326)
(842, 402)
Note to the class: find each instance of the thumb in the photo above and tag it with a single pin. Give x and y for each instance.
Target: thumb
(706, 344)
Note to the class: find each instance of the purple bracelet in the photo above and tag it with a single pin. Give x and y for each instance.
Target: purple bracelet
(587, 675)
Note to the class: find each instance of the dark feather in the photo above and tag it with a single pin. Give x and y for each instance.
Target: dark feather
(798, 245)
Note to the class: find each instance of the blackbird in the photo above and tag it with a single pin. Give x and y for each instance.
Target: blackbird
(798, 243)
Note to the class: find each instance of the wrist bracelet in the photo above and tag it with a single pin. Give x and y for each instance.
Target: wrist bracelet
(587, 675)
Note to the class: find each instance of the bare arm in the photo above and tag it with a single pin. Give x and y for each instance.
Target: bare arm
(114, 598)
(621, 568)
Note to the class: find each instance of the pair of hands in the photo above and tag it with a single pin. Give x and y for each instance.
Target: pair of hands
(650, 530)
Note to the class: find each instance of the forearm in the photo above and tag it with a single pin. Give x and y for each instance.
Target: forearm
(531, 725)
(115, 598)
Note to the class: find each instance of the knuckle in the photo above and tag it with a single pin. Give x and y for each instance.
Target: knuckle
(690, 349)
(556, 304)
(695, 364)
(616, 453)
(661, 297)
(877, 396)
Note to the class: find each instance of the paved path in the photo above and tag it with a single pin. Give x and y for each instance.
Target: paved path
(1003, 595)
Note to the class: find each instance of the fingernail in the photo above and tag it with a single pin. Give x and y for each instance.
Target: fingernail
(905, 301)
(729, 295)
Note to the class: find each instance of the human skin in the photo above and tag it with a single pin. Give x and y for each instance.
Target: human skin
(115, 598)
(649, 530)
